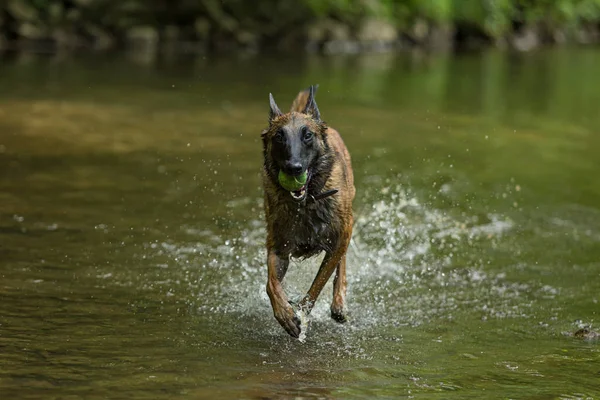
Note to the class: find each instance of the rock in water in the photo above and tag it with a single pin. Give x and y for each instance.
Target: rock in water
(587, 334)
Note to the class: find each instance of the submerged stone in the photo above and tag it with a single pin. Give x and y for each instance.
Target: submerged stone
(587, 334)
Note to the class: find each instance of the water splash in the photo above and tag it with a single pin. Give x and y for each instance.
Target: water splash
(408, 264)
(407, 254)
(304, 320)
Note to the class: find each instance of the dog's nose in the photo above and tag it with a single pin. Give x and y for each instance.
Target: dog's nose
(292, 168)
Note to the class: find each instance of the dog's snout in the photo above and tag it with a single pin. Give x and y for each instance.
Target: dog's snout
(293, 168)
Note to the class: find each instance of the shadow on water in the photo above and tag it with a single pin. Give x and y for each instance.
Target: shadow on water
(132, 238)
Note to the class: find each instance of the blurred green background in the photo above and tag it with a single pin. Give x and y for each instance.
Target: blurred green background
(205, 25)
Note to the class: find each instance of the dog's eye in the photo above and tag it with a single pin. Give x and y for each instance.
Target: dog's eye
(280, 136)
(307, 135)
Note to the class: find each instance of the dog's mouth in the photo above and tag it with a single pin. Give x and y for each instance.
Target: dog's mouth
(300, 194)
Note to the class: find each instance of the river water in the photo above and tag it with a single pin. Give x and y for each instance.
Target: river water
(132, 261)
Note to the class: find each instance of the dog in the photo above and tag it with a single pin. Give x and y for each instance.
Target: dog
(313, 219)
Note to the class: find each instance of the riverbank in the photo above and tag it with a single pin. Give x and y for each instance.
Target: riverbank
(294, 25)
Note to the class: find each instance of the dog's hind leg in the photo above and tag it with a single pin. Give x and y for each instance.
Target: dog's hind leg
(284, 313)
(338, 305)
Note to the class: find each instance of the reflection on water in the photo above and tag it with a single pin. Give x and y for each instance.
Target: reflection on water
(132, 240)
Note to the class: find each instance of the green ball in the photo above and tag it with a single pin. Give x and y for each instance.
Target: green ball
(292, 183)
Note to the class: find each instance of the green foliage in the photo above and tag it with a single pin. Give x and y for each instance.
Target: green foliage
(277, 18)
(494, 17)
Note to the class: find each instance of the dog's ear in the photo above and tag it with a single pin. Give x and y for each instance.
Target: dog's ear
(311, 105)
(274, 111)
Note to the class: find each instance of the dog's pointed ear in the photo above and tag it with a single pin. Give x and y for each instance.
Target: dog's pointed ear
(311, 104)
(274, 111)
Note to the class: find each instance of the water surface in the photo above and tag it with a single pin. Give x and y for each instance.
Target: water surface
(132, 261)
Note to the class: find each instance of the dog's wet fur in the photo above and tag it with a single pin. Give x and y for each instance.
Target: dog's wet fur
(317, 218)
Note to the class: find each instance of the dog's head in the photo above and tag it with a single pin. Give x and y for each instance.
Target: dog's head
(295, 142)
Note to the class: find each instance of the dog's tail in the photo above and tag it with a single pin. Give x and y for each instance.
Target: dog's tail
(300, 101)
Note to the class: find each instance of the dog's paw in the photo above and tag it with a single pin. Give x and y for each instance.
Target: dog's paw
(288, 319)
(338, 314)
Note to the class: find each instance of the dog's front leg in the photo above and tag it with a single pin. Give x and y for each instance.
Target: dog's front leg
(282, 310)
(338, 305)
(331, 261)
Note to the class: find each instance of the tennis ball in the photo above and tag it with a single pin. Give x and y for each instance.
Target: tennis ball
(292, 183)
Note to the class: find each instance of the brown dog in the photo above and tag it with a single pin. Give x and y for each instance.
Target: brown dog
(315, 218)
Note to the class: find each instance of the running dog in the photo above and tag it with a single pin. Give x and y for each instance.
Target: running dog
(314, 218)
